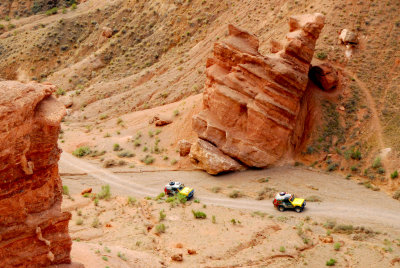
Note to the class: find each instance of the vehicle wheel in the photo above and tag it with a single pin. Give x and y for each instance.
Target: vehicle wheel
(298, 209)
(281, 208)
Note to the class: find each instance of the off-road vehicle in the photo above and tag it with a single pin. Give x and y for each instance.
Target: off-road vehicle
(285, 201)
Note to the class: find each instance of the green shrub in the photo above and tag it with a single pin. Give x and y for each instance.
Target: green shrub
(148, 159)
(161, 195)
(176, 112)
(82, 151)
(356, 155)
(216, 189)
(95, 223)
(137, 143)
(131, 200)
(199, 214)
(381, 170)
(396, 195)
(343, 228)
(214, 220)
(2, 26)
(126, 154)
(235, 194)
(321, 55)
(330, 224)
(332, 167)
(116, 147)
(160, 228)
(122, 256)
(282, 249)
(337, 246)
(162, 215)
(52, 11)
(60, 92)
(105, 192)
(331, 262)
(103, 116)
(151, 134)
(65, 190)
(79, 221)
(377, 163)
(394, 175)
(74, 6)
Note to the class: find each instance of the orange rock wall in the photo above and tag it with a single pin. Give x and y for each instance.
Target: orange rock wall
(33, 230)
(251, 102)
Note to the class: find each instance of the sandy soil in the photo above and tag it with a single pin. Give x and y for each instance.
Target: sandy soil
(257, 239)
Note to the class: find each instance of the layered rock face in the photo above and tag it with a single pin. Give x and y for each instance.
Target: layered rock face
(251, 101)
(33, 230)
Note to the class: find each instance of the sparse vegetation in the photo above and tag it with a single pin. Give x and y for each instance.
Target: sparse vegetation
(377, 163)
(96, 223)
(321, 55)
(82, 151)
(331, 262)
(105, 192)
(148, 159)
(122, 256)
(313, 198)
(162, 215)
(199, 214)
(235, 194)
(65, 190)
(394, 175)
(282, 249)
(160, 228)
(337, 246)
(131, 200)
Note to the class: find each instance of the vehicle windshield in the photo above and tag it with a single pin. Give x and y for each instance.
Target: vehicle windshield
(291, 198)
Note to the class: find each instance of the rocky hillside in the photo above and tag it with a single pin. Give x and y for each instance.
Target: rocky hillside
(111, 58)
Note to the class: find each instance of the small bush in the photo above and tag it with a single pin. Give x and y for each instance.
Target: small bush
(332, 167)
(394, 175)
(52, 11)
(79, 221)
(103, 116)
(82, 151)
(343, 228)
(282, 249)
(216, 189)
(105, 192)
(176, 112)
(116, 147)
(330, 224)
(162, 215)
(122, 256)
(235, 194)
(321, 55)
(60, 92)
(396, 195)
(214, 220)
(65, 190)
(74, 6)
(199, 214)
(161, 195)
(151, 134)
(160, 228)
(131, 200)
(331, 262)
(337, 246)
(356, 155)
(377, 163)
(148, 159)
(126, 154)
(381, 170)
(137, 143)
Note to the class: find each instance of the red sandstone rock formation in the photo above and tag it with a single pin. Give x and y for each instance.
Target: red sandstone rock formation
(33, 230)
(251, 101)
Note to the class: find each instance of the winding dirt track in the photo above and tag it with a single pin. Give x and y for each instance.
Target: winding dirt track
(354, 203)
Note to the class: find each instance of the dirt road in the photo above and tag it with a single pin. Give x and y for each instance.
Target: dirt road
(343, 200)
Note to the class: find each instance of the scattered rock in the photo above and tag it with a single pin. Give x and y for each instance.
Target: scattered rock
(179, 245)
(208, 157)
(154, 119)
(86, 191)
(192, 251)
(108, 225)
(324, 76)
(348, 37)
(326, 239)
(184, 147)
(107, 32)
(163, 122)
(341, 108)
(251, 101)
(177, 257)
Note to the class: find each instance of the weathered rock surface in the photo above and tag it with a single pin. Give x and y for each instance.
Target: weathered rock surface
(33, 230)
(251, 101)
(208, 157)
(348, 37)
(325, 76)
(107, 32)
(184, 147)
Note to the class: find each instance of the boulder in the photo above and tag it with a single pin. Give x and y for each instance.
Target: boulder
(251, 101)
(162, 122)
(107, 32)
(33, 229)
(86, 191)
(184, 147)
(347, 37)
(324, 76)
(177, 257)
(208, 157)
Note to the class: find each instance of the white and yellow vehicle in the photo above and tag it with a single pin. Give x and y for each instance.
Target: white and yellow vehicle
(283, 201)
(175, 187)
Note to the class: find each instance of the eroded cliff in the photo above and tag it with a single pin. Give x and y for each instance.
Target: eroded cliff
(251, 102)
(33, 230)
